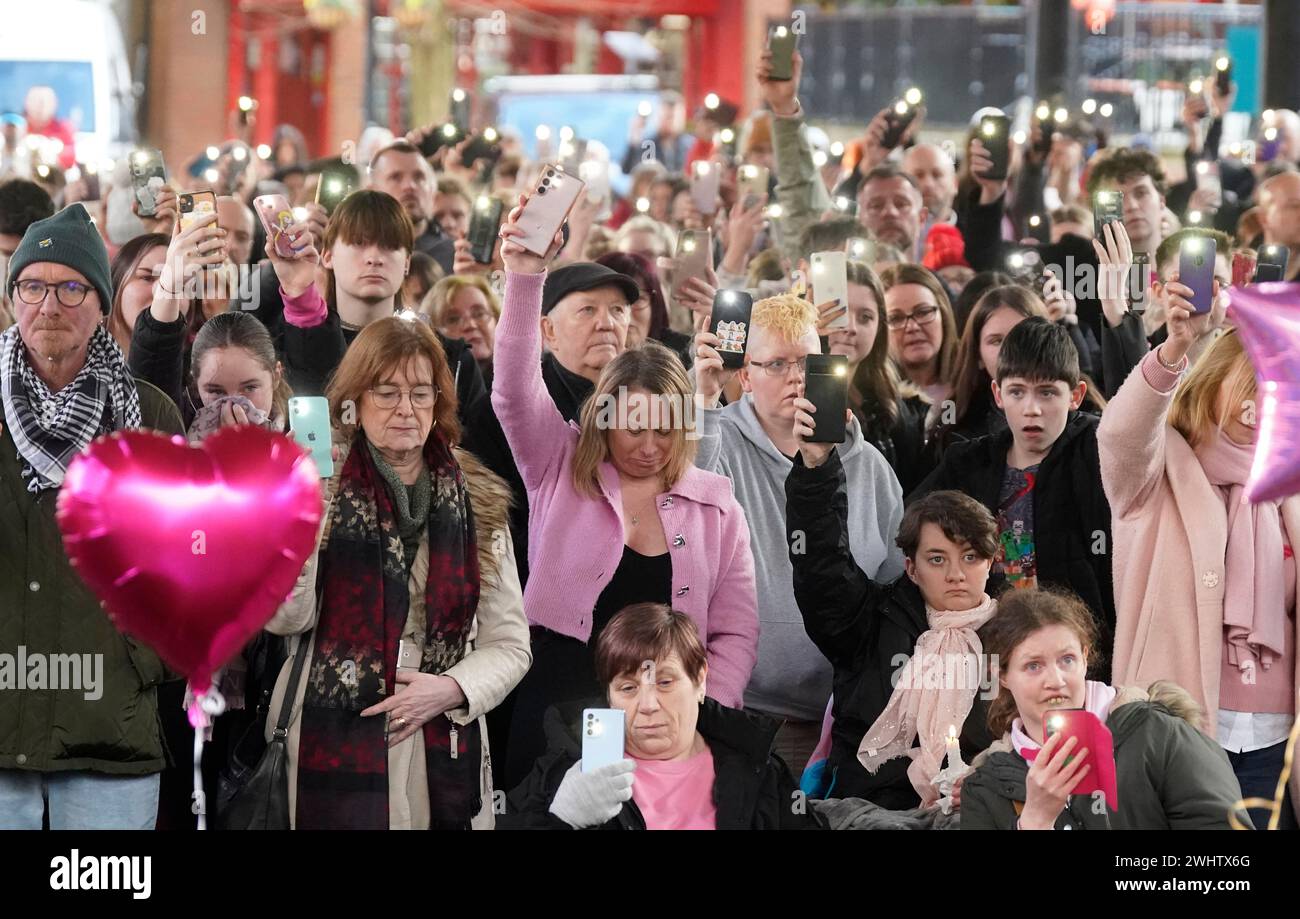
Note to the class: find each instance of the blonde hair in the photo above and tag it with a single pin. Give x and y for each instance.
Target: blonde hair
(445, 291)
(655, 369)
(1223, 367)
(786, 315)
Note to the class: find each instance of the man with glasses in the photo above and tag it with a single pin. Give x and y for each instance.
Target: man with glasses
(753, 442)
(94, 759)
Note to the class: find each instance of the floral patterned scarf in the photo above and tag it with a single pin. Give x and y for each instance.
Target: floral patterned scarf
(342, 757)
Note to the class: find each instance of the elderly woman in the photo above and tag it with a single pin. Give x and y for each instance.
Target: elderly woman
(692, 764)
(411, 600)
(650, 311)
(465, 306)
(618, 513)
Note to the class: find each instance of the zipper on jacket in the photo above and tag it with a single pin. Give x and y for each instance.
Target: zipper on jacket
(452, 739)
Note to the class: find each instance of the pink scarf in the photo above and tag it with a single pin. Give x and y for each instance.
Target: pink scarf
(1254, 584)
(1097, 700)
(917, 710)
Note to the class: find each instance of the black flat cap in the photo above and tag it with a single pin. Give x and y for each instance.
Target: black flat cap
(584, 276)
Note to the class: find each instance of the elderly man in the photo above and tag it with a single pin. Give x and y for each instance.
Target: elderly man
(94, 751)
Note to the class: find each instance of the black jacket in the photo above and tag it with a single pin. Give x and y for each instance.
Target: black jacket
(867, 631)
(901, 443)
(1072, 537)
(485, 439)
(752, 788)
(1169, 776)
(437, 245)
(981, 228)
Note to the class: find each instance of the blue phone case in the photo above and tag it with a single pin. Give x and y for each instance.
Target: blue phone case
(309, 423)
(1196, 270)
(602, 737)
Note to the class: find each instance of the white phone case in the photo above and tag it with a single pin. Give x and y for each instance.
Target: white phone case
(830, 282)
(602, 737)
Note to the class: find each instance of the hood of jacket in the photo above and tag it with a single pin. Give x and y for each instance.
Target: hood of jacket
(745, 417)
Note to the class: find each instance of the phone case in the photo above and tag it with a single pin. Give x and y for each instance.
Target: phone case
(898, 122)
(730, 322)
(1196, 270)
(1243, 269)
(830, 280)
(1039, 227)
(332, 188)
(995, 135)
(694, 256)
(860, 249)
(1096, 737)
(704, 187)
(483, 228)
(1271, 265)
(752, 184)
(194, 206)
(148, 179)
(276, 217)
(547, 209)
(781, 40)
(602, 737)
(1223, 78)
(1106, 206)
(309, 423)
(1139, 283)
(826, 385)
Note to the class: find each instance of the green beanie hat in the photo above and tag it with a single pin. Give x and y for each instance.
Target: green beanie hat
(68, 238)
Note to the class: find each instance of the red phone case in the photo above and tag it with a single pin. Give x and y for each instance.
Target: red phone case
(1096, 737)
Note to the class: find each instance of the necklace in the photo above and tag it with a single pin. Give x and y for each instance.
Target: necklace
(636, 518)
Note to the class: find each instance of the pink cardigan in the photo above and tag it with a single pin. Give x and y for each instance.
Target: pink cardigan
(575, 542)
(1170, 541)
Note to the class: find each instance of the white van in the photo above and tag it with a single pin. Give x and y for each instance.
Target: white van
(76, 47)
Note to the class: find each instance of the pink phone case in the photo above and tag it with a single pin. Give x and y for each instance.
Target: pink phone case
(276, 217)
(1096, 737)
(547, 208)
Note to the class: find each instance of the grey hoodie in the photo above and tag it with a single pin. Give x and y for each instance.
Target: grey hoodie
(792, 678)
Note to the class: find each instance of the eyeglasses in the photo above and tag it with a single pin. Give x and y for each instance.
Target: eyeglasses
(922, 315)
(68, 293)
(457, 321)
(642, 302)
(391, 396)
(780, 367)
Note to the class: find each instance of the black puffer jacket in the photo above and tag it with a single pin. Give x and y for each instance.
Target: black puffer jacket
(867, 631)
(752, 790)
(1072, 536)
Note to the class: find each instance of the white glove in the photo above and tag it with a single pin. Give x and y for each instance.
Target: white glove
(587, 799)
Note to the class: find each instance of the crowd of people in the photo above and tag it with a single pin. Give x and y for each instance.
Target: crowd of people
(553, 492)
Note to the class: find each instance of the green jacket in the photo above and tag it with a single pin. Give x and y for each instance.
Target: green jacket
(46, 609)
(799, 188)
(1169, 775)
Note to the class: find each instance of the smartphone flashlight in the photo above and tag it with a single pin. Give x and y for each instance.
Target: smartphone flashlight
(990, 129)
(1016, 260)
(543, 133)
(247, 103)
(820, 159)
(264, 151)
(840, 370)
(490, 135)
(300, 214)
(1043, 112)
(1222, 63)
(901, 106)
(711, 101)
(837, 149)
(1203, 168)
(1061, 115)
(449, 130)
(727, 136)
(843, 203)
(211, 175)
(1019, 137)
(1035, 220)
(729, 296)
(688, 244)
(912, 96)
(484, 203)
(239, 153)
(642, 205)
(1196, 87)
(458, 95)
(1270, 134)
(781, 32)
(1055, 723)
(774, 211)
(1106, 110)
(1193, 217)
(566, 133)
(1089, 106)
(212, 153)
(643, 109)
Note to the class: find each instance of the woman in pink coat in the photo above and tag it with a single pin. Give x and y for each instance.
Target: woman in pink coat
(1205, 584)
(618, 512)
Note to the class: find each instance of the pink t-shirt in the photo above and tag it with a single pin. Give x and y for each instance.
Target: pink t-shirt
(676, 795)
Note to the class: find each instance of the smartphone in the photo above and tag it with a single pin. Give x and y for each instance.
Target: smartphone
(276, 217)
(333, 186)
(1039, 227)
(460, 110)
(309, 423)
(1139, 283)
(860, 249)
(194, 206)
(1046, 131)
(596, 174)
(1269, 144)
(1223, 74)
(830, 280)
(704, 186)
(1208, 180)
(572, 153)
(752, 184)
(602, 737)
(447, 135)
(781, 41)
(148, 179)
(730, 322)
(1091, 734)
(693, 259)
(1271, 264)
(826, 385)
(995, 135)
(548, 206)
(1196, 90)
(1106, 206)
(484, 224)
(1196, 270)
(482, 146)
(899, 116)
(1025, 264)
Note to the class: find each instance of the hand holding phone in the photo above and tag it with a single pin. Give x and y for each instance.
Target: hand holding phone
(333, 185)
(1196, 257)
(543, 212)
(995, 135)
(309, 423)
(1271, 264)
(1091, 735)
(694, 258)
(751, 184)
(899, 117)
(704, 186)
(781, 41)
(195, 206)
(730, 322)
(830, 281)
(148, 180)
(277, 217)
(484, 225)
(1107, 205)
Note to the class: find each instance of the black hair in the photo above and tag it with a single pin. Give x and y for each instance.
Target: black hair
(22, 203)
(1039, 350)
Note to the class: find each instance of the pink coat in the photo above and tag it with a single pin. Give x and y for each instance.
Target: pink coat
(575, 542)
(1170, 536)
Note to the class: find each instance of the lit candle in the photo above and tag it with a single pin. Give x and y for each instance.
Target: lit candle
(954, 749)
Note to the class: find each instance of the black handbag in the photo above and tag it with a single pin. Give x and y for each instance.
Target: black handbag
(257, 797)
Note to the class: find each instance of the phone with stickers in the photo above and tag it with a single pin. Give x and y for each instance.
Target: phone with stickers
(276, 216)
(194, 206)
(148, 179)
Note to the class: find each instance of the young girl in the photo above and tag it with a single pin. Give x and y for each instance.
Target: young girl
(237, 376)
(1169, 775)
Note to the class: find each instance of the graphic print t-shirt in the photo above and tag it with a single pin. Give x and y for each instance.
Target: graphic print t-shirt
(1016, 557)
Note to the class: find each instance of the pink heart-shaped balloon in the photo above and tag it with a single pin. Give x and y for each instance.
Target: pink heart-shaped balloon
(191, 550)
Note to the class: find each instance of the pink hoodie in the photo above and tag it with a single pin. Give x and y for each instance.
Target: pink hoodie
(575, 542)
